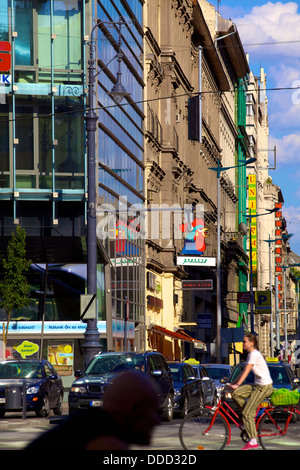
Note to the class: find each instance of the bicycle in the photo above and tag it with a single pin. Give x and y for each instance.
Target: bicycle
(209, 428)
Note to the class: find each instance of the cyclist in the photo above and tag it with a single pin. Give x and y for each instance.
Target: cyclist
(248, 397)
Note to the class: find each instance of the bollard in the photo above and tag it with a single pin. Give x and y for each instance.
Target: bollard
(24, 404)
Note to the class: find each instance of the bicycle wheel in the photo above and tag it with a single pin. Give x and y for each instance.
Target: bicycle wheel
(275, 433)
(201, 430)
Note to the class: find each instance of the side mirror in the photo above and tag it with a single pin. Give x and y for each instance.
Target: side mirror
(157, 373)
(78, 374)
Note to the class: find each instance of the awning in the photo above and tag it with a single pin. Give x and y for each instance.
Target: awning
(179, 334)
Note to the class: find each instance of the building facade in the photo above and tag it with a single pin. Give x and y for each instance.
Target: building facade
(44, 177)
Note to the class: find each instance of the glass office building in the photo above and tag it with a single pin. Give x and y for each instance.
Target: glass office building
(43, 163)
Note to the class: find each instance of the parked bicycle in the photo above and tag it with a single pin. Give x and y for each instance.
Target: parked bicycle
(278, 427)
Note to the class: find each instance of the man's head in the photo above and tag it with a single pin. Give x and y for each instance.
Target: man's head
(132, 399)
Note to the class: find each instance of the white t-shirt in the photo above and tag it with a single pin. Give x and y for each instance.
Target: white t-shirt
(260, 369)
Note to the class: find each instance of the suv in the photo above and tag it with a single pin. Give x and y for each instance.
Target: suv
(87, 390)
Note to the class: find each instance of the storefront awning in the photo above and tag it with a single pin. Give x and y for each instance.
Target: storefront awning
(179, 334)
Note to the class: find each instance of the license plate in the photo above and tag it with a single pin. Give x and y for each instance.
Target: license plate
(96, 403)
(2, 400)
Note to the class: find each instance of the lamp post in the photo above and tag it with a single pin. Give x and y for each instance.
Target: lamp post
(91, 345)
(219, 170)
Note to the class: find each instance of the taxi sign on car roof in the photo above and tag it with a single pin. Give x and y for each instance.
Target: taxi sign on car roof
(272, 359)
(192, 361)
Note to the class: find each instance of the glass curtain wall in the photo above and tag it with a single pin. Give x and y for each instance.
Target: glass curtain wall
(45, 100)
(121, 156)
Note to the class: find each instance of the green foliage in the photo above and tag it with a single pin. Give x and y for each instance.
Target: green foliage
(14, 288)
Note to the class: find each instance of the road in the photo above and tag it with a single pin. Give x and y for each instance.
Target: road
(16, 433)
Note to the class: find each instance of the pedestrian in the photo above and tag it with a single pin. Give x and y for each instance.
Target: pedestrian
(249, 396)
(127, 416)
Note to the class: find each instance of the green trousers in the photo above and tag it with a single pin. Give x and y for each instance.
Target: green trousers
(247, 398)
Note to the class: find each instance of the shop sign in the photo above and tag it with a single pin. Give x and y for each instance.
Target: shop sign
(195, 235)
(27, 348)
(252, 207)
(195, 261)
(5, 56)
(65, 328)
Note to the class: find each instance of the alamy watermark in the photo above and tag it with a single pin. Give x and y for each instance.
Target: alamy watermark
(157, 221)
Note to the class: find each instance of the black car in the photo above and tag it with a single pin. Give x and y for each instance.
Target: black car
(188, 391)
(44, 388)
(87, 390)
(208, 387)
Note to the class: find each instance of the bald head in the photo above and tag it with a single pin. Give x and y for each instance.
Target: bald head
(132, 398)
(128, 389)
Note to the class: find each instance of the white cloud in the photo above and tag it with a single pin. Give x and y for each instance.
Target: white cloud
(292, 217)
(287, 148)
(277, 23)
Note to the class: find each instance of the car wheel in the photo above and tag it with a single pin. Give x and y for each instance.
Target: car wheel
(44, 411)
(185, 408)
(59, 408)
(201, 401)
(168, 411)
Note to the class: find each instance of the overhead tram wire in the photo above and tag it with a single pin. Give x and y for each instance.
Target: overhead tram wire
(83, 110)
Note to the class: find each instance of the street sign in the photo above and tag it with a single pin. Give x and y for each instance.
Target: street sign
(243, 297)
(204, 320)
(206, 284)
(88, 307)
(263, 301)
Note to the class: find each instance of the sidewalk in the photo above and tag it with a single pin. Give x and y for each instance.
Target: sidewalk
(13, 420)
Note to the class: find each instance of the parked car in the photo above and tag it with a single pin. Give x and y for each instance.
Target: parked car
(209, 391)
(44, 387)
(188, 393)
(219, 372)
(281, 374)
(87, 390)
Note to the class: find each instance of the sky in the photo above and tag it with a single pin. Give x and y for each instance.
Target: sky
(270, 33)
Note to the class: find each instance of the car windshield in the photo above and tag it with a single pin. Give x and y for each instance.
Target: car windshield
(176, 373)
(20, 370)
(102, 365)
(278, 375)
(218, 373)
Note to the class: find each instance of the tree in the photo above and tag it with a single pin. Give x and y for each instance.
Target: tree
(14, 288)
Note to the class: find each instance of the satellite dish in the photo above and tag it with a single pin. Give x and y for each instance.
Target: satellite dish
(243, 228)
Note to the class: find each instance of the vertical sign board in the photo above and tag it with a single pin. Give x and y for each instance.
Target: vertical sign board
(278, 251)
(252, 208)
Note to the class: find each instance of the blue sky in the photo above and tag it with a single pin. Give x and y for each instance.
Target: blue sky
(270, 32)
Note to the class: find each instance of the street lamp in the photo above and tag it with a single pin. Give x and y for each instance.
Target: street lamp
(92, 344)
(219, 170)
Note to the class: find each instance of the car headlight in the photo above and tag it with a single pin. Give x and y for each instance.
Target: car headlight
(32, 390)
(78, 389)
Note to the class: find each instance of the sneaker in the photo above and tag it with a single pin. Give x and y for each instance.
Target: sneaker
(249, 446)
